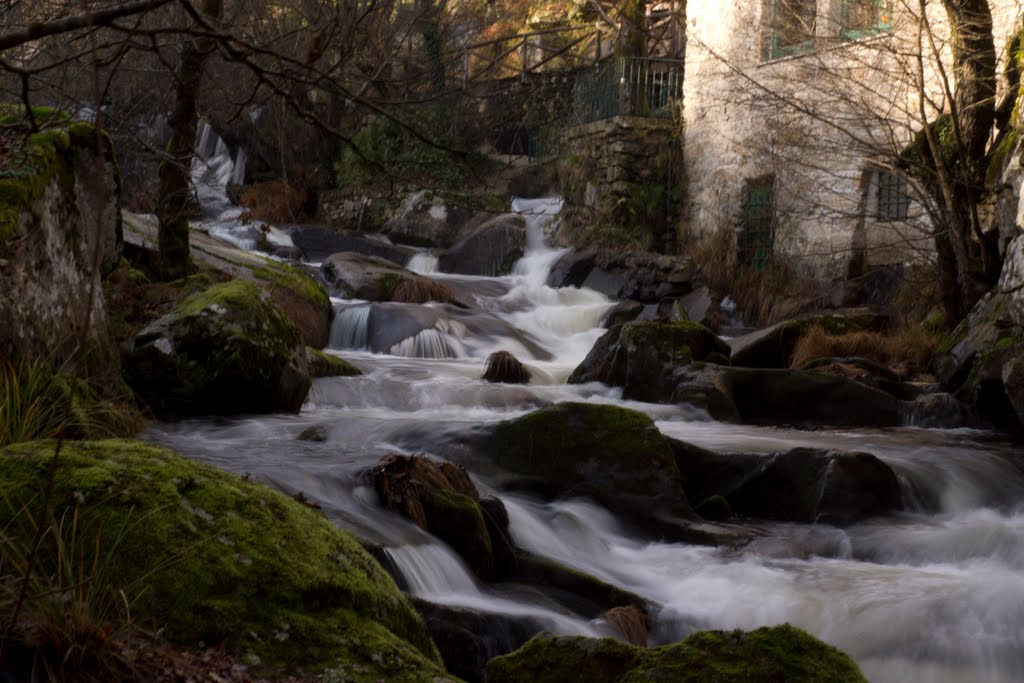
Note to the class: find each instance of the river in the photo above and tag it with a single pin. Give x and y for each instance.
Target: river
(935, 593)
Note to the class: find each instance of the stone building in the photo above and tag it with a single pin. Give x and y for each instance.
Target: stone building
(794, 112)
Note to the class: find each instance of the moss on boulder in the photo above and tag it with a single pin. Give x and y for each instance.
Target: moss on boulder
(778, 653)
(223, 351)
(328, 365)
(642, 356)
(615, 455)
(210, 558)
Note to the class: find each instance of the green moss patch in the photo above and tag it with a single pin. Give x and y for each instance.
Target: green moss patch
(210, 558)
(779, 653)
(328, 365)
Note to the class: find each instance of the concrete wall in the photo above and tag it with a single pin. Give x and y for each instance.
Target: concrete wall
(820, 121)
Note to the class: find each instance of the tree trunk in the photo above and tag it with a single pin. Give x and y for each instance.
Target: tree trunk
(175, 169)
(974, 71)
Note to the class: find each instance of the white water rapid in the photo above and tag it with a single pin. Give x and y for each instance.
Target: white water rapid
(932, 594)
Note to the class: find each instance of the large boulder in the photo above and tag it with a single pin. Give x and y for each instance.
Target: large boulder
(425, 220)
(768, 654)
(772, 346)
(357, 276)
(972, 360)
(641, 276)
(439, 498)
(793, 397)
(799, 485)
(206, 557)
(318, 242)
(60, 233)
(226, 350)
(614, 455)
(645, 354)
(491, 249)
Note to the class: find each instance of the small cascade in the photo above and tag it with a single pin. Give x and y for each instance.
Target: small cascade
(432, 569)
(351, 327)
(428, 344)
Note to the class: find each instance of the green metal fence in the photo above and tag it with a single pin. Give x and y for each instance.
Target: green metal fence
(628, 87)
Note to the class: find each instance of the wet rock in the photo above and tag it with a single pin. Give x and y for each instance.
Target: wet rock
(791, 397)
(644, 356)
(1013, 383)
(621, 313)
(577, 591)
(768, 654)
(614, 455)
(440, 499)
(323, 364)
(224, 351)
(503, 367)
(641, 276)
(357, 276)
(971, 360)
(467, 639)
(491, 249)
(938, 410)
(316, 434)
(700, 307)
(772, 347)
(318, 242)
(799, 485)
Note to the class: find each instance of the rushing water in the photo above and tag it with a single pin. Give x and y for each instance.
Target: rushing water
(932, 594)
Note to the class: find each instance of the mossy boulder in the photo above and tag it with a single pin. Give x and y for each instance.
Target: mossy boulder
(209, 558)
(778, 653)
(328, 365)
(645, 354)
(973, 359)
(302, 297)
(227, 350)
(614, 455)
(60, 233)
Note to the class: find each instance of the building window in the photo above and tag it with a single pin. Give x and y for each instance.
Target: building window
(893, 197)
(792, 27)
(862, 18)
(757, 238)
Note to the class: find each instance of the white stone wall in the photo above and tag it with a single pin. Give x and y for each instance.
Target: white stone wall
(818, 121)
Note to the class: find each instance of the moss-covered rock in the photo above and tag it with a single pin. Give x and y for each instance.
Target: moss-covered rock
(224, 351)
(210, 558)
(971, 360)
(328, 365)
(60, 232)
(615, 455)
(641, 360)
(303, 299)
(779, 653)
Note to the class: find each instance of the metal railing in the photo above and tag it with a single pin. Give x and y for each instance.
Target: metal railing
(629, 86)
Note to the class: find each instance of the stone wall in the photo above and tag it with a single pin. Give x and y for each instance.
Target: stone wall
(821, 120)
(622, 177)
(57, 239)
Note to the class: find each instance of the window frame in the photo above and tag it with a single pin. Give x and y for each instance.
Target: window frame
(892, 197)
(796, 48)
(884, 25)
(756, 242)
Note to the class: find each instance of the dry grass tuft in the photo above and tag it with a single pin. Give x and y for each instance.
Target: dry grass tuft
(630, 622)
(762, 298)
(276, 201)
(505, 368)
(420, 290)
(907, 352)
